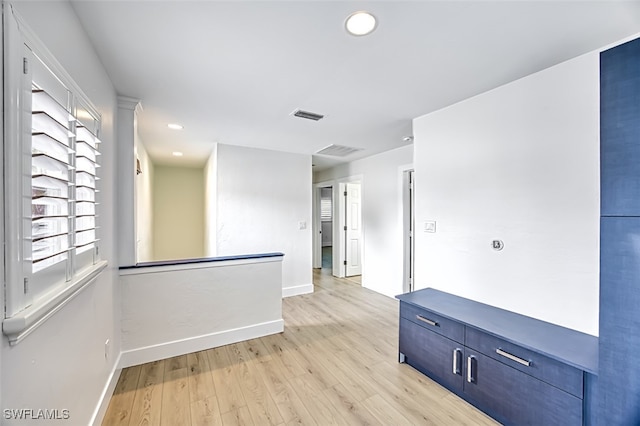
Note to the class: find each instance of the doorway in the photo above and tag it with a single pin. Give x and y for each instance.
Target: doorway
(326, 228)
(337, 236)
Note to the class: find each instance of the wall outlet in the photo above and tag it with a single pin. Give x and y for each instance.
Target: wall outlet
(430, 226)
(302, 225)
(107, 349)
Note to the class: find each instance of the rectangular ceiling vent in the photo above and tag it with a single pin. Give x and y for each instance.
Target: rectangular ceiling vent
(308, 115)
(338, 150)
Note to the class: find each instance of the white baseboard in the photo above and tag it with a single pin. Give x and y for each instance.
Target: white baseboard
(198, 343)
(105, 398)
(297, 290)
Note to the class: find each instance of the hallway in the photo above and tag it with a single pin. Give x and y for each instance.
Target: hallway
(335, 363)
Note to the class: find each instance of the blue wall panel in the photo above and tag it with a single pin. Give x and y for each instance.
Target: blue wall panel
(615, 396)
(619, 371)
(620, 130)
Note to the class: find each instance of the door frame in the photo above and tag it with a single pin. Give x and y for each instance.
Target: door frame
(317, 224)
(408, 225)
(340, 254)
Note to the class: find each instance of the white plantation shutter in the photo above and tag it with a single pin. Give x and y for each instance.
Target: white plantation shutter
(86, 178)
(64, 176)
(52, 174)
(51, 177)
(325, 209)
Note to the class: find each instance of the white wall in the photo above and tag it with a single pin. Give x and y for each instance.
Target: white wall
(198, 306)
(262, 197)
(144, 204)
(62, 363)
(178, 213)
(381, 177)
(521, 164)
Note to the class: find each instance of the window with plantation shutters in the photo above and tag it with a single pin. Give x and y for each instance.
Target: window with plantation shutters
(326, 204)
(52, 180)
(64, 152)
(325, 209)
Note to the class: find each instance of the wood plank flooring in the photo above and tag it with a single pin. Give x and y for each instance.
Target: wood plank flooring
(335, 363)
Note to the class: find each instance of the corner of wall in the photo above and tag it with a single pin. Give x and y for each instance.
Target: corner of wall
(297, 290)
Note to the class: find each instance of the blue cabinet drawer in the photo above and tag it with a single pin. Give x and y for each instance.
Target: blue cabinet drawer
(432, 354)
(556, 373)
(432, 321)
(514, 398)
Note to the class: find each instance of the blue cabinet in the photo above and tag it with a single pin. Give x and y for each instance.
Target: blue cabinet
(615, 393)
(620, 130)
(512, 397)
(517, 369)
(619, 370)
(432, 354)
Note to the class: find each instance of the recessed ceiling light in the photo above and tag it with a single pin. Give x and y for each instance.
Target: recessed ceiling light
(360, 23)
(174, 126)
(176, 154)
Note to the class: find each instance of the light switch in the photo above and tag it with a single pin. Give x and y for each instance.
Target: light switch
(302, 225)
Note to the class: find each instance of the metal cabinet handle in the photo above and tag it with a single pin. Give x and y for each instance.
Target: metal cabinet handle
(456, 370)
(427, 320)
(470, 378)
(513, 357)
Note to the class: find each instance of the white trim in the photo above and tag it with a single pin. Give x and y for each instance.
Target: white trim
(403, 214)
(317, 223)
(105, 397)
(198, 265)
(24, 322)
(193, 344)
(297, 290)
(132, 104)
(32, 40)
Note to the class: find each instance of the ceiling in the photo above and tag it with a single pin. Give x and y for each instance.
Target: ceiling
(232, 72)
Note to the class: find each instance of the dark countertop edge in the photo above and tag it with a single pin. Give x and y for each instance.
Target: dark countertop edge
(200, 260)
(589, 367)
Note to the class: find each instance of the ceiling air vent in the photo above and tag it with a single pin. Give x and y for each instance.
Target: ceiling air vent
(308, 115)
(338, 150)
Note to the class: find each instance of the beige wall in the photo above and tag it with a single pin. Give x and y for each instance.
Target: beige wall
(144, 204)
(178, 213)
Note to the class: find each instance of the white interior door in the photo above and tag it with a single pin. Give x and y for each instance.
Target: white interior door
(353, 229)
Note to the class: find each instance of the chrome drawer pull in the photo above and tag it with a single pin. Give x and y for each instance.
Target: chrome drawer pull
(513, 357)
(427, 320)
(455, 361)
(470, 369)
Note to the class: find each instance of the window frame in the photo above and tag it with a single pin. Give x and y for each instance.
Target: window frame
(25, 308)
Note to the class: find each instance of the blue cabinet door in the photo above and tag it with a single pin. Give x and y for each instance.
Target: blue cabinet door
(432, 354)
(515, 398)
(620, 130)
(619, 370)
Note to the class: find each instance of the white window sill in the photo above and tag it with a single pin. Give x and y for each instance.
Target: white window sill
(24, 322)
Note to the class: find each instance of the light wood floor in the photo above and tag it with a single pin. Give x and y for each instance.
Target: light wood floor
(335, 363)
